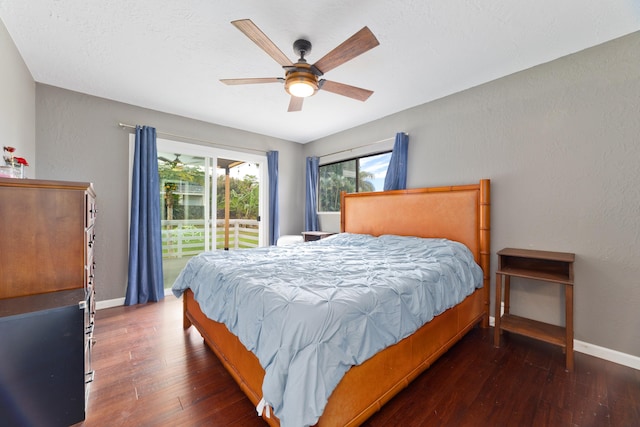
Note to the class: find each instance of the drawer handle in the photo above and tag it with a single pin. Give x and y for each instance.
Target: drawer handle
(91, 376)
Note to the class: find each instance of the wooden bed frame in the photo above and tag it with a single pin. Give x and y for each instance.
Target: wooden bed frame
(460, 213)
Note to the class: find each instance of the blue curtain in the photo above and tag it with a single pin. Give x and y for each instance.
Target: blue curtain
(274, 211)
(311, 222)
(146, 282)
(396, 178)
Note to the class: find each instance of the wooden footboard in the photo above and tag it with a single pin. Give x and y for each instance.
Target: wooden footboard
(364, 388)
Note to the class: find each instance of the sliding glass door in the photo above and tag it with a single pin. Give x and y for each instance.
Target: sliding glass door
(210, 199)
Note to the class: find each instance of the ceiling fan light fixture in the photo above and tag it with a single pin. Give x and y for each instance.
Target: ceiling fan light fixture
(301, 84)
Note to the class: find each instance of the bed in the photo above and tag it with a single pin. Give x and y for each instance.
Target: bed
(459, 213)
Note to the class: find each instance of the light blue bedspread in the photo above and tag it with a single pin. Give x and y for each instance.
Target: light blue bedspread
(310, 311)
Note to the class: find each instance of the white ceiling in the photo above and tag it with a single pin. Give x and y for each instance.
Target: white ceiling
(169, 55)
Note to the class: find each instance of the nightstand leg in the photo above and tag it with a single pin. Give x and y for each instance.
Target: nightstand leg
(507, 293)
(498, 301)
(568, 299)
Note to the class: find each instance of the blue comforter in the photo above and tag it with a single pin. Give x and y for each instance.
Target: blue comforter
(310, 311)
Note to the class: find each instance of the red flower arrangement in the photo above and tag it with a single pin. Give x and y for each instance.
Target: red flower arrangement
(12, 160)
(14, 165)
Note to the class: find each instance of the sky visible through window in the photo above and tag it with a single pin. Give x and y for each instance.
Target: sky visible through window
(377, 166)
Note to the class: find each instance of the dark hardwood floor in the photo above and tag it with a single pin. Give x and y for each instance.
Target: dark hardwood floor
(151, 372)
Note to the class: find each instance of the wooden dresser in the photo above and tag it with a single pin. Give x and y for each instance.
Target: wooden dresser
(47, 299)
(46, 236)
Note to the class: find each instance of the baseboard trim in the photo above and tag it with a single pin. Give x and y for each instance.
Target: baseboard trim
(116, 302)
(607, 354)
(599, 352)
(100, 305)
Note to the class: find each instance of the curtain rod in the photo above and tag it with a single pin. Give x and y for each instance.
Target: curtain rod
(361, 146)
(217, 144)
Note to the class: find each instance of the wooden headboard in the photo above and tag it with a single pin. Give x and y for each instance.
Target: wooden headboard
(460, 213)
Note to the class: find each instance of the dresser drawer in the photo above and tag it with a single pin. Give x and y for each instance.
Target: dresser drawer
(91, 210)
(89, 267)
(89, 307)
(89, 279)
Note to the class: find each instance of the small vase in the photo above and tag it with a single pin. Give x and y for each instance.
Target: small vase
(6, 172)
(12, 171)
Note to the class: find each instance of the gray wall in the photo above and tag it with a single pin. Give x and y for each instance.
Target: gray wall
(561, 144)
(17, 103)
(78, 139)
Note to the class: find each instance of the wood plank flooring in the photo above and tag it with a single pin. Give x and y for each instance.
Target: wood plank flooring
(151, 372)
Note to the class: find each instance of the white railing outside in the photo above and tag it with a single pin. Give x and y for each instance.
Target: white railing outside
(187, 237)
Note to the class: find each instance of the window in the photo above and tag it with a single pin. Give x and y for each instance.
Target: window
(361, 174)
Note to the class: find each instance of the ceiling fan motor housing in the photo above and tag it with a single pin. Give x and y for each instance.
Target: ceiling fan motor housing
(302, 47)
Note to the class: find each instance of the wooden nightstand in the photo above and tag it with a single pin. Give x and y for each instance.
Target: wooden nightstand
(310, 236)
(556, 267)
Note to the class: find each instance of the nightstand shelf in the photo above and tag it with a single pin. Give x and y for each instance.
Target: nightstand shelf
(532, 328)
(555, 267)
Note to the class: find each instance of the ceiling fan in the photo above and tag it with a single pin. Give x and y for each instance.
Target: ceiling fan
(302, 79)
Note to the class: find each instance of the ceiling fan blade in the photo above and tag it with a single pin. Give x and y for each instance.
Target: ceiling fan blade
(258, 37)
(355, 45)
(295, 104)
(346, 90)
(252, 81)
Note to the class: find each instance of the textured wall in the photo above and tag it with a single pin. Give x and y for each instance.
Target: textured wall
(561, 144)
(78, 139)
(17, 103)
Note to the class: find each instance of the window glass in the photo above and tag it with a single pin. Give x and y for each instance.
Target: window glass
(209, 199)
(373, 171)
(353, 175)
